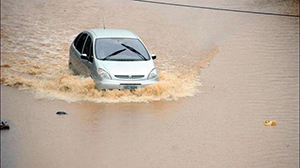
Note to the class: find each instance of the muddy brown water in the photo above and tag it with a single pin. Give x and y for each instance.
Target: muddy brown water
(221, 75)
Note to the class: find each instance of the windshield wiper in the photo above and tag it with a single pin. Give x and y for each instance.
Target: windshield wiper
(134, 50)
(114, 53)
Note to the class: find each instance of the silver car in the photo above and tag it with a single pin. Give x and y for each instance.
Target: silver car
(113, 58)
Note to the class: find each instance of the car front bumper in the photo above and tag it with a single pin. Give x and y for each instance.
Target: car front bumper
(123, 84)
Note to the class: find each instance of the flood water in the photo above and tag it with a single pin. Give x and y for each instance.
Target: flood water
(221, 74)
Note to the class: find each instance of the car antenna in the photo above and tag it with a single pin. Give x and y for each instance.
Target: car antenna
(103, 22)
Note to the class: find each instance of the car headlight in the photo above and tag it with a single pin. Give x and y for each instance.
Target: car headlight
(152, 74)
(103, 74)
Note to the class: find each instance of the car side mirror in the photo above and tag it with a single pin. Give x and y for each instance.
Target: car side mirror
(84, 56)
(153, 56)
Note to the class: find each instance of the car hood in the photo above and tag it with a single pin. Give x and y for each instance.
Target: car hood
(127, 67)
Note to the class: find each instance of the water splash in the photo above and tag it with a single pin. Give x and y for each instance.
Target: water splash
(61, 83)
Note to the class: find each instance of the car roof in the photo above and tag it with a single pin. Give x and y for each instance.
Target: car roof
(112, 33)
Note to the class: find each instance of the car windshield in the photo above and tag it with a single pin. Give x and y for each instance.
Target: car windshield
(121, 49)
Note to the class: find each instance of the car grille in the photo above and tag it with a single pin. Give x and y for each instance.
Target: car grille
(130, 84)
(129, 76)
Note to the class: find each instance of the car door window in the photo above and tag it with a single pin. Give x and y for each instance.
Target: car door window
(87, 47)
(79, 44)
(77, 39)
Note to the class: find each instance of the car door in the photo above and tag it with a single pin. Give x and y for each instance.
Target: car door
(77, 60)
(92, 66)
(88, 50)
(73, 60)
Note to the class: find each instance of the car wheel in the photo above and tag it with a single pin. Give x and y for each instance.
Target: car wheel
(70, 66)
(72, 69)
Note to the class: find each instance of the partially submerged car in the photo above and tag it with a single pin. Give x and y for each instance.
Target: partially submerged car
(113, 58)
